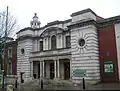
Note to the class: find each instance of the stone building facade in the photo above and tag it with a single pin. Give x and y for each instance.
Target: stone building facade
(70, 49)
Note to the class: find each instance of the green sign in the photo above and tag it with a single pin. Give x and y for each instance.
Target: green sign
(79, 72)
(1, 78)
(108, 67)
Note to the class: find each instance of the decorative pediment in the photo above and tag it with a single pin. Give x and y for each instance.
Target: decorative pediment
(51, 31)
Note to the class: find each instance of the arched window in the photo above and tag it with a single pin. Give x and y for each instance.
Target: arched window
(53, 42)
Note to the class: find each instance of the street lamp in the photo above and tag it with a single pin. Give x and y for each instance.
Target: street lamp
(0, 55)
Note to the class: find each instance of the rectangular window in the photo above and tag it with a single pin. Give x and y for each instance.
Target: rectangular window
(68, 44)
(41, 45)
(9, 67)
(10, 52)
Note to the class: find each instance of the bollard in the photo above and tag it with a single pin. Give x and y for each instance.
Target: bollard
(16, 84)
(83, 84)
(41, 84)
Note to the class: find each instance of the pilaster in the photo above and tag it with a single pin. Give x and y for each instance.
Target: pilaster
(43, 69)
(31, 68)
(58, 69)
(55, 67)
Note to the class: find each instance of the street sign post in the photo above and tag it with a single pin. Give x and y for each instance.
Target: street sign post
(1, 78)
(80, 73)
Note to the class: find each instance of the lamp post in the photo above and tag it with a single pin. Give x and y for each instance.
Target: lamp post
(1, 54)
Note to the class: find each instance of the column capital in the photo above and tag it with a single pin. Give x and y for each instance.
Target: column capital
(54, 59)
(41, 60)
(31, 61)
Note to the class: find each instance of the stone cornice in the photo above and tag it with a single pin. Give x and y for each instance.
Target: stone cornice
(39, 58)
(57, 22)
(98, 24)
(82, 24)
(109, 21)
(52, 50)
(27, 28)
(49, 24)
(64, 32)
(28, 37)
(51, 53)
(83, 11)
(54, 55)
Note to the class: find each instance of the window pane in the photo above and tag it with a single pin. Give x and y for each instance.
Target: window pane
(10, 52)
(68, 41)
(53, 42)
(41, 45)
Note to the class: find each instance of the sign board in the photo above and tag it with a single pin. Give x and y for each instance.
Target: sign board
(1, 78)
(79, 72)
(109, 68)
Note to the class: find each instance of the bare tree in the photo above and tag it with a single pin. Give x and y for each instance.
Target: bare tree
(12, 26)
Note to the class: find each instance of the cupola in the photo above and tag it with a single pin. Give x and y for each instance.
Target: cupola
(35, 23)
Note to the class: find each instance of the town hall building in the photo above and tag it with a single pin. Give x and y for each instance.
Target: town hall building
(86, 45)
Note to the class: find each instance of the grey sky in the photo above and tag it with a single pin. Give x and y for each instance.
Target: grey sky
(51, 10)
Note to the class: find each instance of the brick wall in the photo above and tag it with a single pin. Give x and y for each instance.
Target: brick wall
(107, 45)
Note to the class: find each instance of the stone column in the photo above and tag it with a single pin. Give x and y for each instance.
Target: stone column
(70, 69)
(58, 68)
(31, 68)
(43, 68)
(48, 42)
(55, 68)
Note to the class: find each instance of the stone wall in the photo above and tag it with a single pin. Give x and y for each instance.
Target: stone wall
(10, 79)
(23, 63)
(85, 57)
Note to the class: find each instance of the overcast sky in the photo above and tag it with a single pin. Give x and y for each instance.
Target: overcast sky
(51, 10)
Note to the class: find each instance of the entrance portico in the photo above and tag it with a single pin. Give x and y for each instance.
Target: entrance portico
(51, 69)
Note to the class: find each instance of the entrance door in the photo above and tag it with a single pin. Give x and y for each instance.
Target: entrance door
(51, 70)
(21, 77)
(66, 70)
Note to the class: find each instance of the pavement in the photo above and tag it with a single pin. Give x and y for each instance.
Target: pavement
(108, 86)
(65, 85)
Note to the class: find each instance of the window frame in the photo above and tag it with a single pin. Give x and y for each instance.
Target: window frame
(41, 45)
(53, 42)
(68, 41)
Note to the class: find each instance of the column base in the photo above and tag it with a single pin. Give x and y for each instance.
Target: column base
(56, 79)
